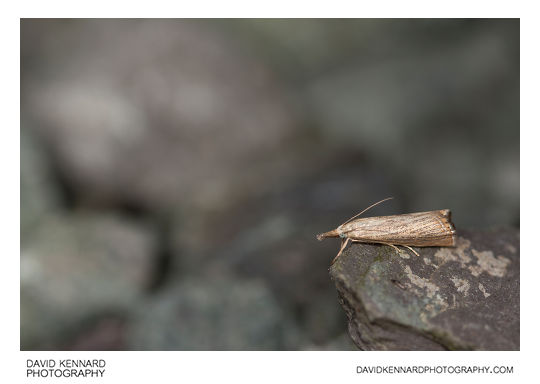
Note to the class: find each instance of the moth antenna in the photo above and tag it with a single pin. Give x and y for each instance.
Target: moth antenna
(371, 206)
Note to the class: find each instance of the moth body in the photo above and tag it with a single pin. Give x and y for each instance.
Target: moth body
(421, 229)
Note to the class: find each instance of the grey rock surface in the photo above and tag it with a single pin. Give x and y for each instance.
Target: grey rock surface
(462, 298)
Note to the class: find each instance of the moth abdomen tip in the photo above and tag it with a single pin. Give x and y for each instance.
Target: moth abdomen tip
(332, 233)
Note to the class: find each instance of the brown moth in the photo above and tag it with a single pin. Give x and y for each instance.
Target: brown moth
(422, 229)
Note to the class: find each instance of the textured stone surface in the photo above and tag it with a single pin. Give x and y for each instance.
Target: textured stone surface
(465, 297)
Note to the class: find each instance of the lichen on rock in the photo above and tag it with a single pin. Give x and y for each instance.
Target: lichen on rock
(449, 298)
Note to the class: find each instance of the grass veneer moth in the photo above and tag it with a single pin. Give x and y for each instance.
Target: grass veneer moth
(421, 229)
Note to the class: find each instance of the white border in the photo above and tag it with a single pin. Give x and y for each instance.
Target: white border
(263, 367)
(276, 8)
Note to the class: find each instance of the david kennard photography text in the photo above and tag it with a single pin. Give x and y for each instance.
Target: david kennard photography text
(65, 368)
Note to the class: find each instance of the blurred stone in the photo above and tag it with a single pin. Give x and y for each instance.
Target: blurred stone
(342, 342)
(464, 298)
(383, 100)
(273, 239)
(213, 314)
(76, 269)
(191, 126)
(106, 334)
(39, 192)
(306, 49)
(437, 109)
(157, 113)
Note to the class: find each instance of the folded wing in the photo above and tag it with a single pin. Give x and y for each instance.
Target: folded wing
(422, 229)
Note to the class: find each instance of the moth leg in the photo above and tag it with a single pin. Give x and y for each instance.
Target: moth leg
(343, 245)
(393, 246)
(416, 253)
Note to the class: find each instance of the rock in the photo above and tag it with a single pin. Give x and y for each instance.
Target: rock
(271, 239)
(340, 343)
(156, 113)
(462, 298)
(39, 193)
(212, 314)
(78, 269)
(404, 100)
(106, 334)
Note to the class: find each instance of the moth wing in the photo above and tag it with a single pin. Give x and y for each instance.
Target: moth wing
(433, 228)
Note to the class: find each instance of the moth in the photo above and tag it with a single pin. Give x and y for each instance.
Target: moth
(421, 229)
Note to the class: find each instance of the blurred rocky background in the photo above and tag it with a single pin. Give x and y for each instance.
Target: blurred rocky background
(174, 173)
